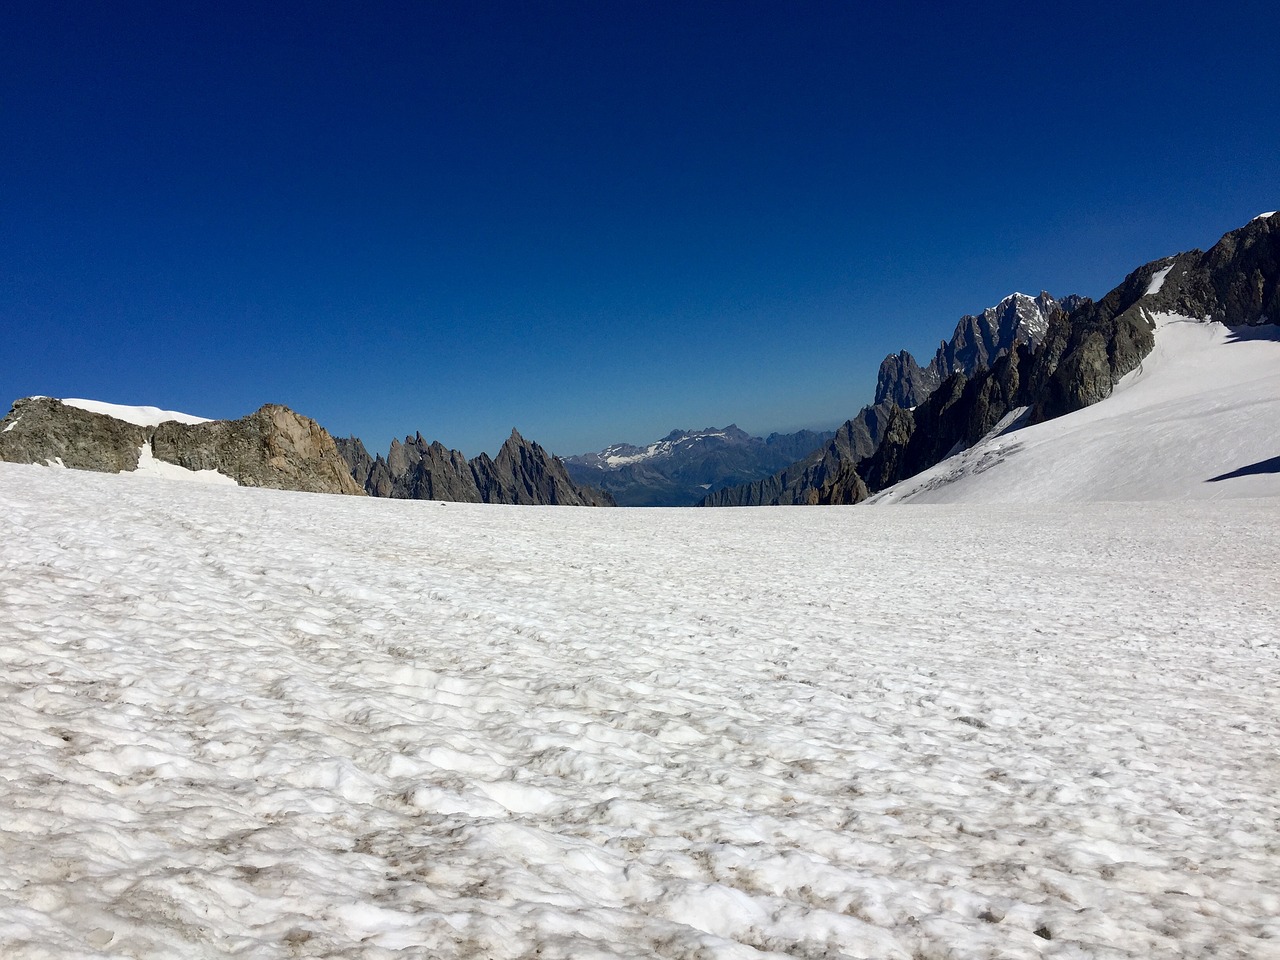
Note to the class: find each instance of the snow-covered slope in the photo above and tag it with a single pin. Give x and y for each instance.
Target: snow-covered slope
(251, 723)
(1196, 421)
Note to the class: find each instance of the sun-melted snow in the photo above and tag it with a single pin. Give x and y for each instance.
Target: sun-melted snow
(260, 724)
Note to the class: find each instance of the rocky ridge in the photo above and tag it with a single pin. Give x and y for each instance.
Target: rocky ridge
(974, 345)
(978, 339)
(522, 473)
(1085, 347)
(273, 447)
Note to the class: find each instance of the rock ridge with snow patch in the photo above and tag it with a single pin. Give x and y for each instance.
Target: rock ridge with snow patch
(273, 447)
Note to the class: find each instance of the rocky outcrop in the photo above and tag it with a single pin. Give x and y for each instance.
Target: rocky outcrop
(975, 344)
(522, 473)
(683, 466)
(44, 430)
(272, 447)
(903, 382)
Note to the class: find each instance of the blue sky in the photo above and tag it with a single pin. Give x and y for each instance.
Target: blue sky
(593, 221)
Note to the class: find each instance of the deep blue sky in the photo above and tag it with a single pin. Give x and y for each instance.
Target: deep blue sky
(595, 221)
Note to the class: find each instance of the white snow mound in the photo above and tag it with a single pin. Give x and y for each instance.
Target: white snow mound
(142, 416)
(1195, 421)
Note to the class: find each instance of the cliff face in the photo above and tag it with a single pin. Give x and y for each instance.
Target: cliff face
(272, 447)
(975, 344)
(522, 473)
(44, 430)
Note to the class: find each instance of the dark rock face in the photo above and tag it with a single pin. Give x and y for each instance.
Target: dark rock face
(522, 473)
(904, 382)
(974, 345)
(44, 430)
(272, 447)
(1237, 282)
(683, 466)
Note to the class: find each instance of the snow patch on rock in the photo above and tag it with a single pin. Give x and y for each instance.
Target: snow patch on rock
(149, 466)
(141, 416)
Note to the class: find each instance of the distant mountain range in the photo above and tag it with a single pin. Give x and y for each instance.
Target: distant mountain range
(683, 466)
(1036, 358)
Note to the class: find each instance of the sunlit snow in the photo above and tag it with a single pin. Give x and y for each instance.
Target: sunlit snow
(1195, 421)
(141, 416)
(262, 724)
(1157, 281)
(149, 466)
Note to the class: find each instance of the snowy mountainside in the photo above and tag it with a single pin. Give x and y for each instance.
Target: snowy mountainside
(679, 469)
(245, 722)
(1083, 355)
(1196, 420)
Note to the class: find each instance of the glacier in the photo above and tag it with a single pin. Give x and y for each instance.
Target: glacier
(243, 722)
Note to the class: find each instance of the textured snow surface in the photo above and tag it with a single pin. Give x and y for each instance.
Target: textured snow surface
(1195, 421)
(142, 416)
(261, 724)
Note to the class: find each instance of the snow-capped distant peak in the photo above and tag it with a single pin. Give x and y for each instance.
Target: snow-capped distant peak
(624, 454)
(141, 416)
(1264, 216)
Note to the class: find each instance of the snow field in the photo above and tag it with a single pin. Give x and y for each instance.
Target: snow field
(261, 724)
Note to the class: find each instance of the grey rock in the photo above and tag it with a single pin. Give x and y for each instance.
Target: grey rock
(522, 473)
(902, 381)
(820, 477)
(272, 447)
(975, 344)
(44, 430)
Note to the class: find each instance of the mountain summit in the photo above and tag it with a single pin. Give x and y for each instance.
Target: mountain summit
(977, 341)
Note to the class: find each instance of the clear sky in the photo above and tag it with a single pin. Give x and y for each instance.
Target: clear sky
(593, 221)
